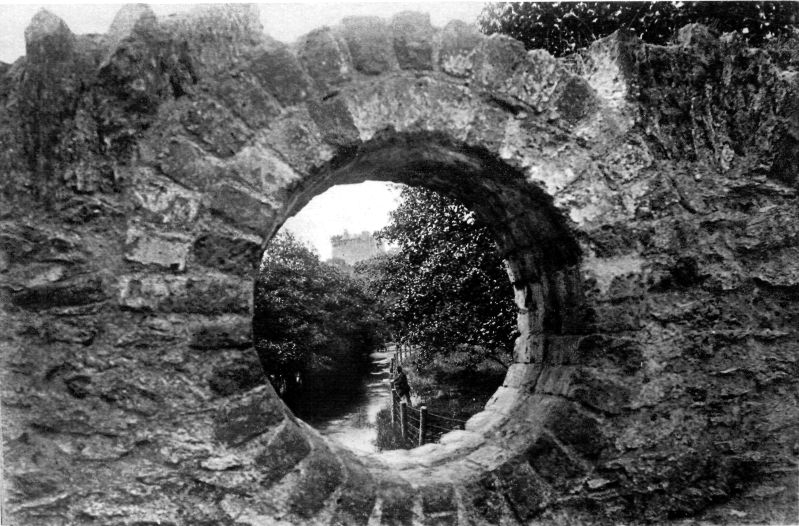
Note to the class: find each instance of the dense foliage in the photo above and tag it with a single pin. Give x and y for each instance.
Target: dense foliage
(564, 27)
(445, 287)
(313, 324)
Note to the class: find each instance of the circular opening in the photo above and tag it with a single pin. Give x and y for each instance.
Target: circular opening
(532, 237)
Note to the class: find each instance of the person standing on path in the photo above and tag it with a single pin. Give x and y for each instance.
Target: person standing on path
(400, 384)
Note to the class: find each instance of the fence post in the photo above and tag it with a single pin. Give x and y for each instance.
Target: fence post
(422, 423)
(404, 419)
(393, 408)
(393, 367)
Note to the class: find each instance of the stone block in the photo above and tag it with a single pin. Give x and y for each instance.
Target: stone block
(413, 40)
(522, 376)
(562, 349)
(576, 100)
(48, 39)
(622, 317)
(250, 415)
(168, 250)
(458, 39)
(242, 208)
(129, 20)
(186, 163)
(201, 294)
(553, 464)
(555, 380)
(321, 475)
(282, 454)
(495, 59)
(79, 290)
(357, 498)
(280, 72)
(236, 375)
(222, 333)
(398, 502)
(161, 201)
(248, 100)
(485, 501)
(325, 58)
(82, 331)
(526, 493)
(262, 170)
(439, 499)
(595, 389)
(533, 82)
(335, 122)
(227, 253)
(214, 126)
(370, 44)
(529, 349)
(576, 429)
(298, 141)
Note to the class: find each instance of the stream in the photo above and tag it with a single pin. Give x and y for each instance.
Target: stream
(352, 421)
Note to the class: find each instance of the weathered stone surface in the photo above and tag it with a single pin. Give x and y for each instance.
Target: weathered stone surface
(227, 253)
(48, 38)
(250, 415)
(280, 73)
(163, 249)
(325, 58)
(458, 39)
(322, 474)
(223, 332)
(644, 196)
(206, 294)
(577, 430)
(413, 40)
(334, 121)
(236, 375)
(164, 202)
(129, 20)
(284, 451)
(397, 508)
(370, 44)
(495, 60)
(80, 290)
(552, 463)
(525, 492)
(241, 208)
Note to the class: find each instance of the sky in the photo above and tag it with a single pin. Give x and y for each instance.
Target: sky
(352, 207)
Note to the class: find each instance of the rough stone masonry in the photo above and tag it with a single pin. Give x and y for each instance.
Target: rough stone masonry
(643, 196)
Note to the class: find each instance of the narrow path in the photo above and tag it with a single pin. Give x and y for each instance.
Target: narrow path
(355, 429)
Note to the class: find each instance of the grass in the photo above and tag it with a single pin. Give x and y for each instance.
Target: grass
(450, 389)
(447, 388)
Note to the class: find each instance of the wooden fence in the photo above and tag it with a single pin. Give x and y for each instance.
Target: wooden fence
(417, 426)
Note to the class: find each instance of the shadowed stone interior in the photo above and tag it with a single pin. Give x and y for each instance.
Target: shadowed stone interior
(644, 196)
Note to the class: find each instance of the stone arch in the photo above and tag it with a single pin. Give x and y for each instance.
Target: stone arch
(165, 153)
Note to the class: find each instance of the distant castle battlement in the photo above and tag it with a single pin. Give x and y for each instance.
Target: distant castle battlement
(352, 248)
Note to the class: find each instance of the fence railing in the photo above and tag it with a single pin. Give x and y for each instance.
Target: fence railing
(417, 426)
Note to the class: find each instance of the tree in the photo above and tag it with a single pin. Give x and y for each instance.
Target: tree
(445, 287)
(564, 27)
(312, 322)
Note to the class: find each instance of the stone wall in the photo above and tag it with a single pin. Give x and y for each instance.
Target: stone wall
(644, 197)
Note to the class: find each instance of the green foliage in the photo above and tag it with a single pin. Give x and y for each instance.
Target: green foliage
(445, 288)
(312, 322)
(564, 27)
